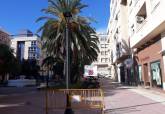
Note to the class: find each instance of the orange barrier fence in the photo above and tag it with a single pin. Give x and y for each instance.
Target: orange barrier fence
(80, 99)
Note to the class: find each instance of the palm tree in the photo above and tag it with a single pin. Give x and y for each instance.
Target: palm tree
(83, 39)
(53, 64)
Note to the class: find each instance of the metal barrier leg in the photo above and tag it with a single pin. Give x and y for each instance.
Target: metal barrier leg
(102, 111)
(68, 109)
(90, 99)
(46, 102)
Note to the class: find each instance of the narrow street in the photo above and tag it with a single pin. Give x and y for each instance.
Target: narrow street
(131, 100)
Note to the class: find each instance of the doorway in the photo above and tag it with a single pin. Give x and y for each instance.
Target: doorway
(122, 74)
(146, 77)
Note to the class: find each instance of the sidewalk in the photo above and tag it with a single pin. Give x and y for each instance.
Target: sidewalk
(132, 100)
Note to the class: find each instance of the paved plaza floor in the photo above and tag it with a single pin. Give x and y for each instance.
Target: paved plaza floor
(29, 100)
(118, 99)
(132, 100)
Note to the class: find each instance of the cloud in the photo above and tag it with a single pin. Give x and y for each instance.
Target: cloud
(101, 30)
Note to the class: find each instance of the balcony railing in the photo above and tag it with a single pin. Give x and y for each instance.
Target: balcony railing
(139, 27)
(154, 5)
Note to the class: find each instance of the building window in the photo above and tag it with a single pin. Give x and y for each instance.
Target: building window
(130, 3)
(33, 43)
(106, 45)
(104, 60)
(32, 56)
(103, 39)
(124, 2)
(32, 49)
(102, 53)
(132, 29)
(102, 45)
(106, 52)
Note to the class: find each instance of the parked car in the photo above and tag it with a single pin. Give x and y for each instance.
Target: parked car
(91, 82)
(108, 76)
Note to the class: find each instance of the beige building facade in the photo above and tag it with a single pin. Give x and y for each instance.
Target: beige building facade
(118, 35)
(103, 60)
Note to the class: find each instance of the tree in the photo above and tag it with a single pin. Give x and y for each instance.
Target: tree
(8, 63)
(83, 39)
(53, 64)
(30, 68)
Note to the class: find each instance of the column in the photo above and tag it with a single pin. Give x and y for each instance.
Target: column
(163, 49)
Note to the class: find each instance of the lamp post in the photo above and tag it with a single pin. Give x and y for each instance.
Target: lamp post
(67, 16)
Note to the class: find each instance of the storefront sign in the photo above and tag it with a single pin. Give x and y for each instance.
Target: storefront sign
(145, 58)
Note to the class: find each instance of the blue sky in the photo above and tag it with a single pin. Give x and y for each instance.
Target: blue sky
(21, 14)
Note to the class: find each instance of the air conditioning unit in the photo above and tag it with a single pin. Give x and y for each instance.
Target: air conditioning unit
(139, 19)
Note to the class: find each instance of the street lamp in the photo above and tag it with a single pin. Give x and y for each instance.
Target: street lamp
(67, 16)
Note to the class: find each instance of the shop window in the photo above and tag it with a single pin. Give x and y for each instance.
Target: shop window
(156, 74)
(140, 73)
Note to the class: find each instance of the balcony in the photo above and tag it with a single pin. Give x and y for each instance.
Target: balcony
(141, 17)
(121, 53)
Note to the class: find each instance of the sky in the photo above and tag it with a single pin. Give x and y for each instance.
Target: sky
(16, 15)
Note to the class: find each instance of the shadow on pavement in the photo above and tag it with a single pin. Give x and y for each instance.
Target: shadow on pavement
(111, 88)
(129, 108)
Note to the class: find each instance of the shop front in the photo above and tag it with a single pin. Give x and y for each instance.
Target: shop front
(150, 64)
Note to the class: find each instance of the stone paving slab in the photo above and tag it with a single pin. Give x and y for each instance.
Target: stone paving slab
(128, 102)
(123, 100)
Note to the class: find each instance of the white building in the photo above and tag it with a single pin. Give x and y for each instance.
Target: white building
(118, 36)
(26, 45)
(103, 60)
